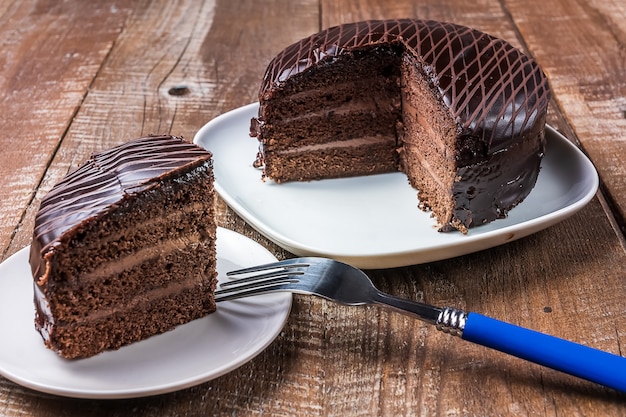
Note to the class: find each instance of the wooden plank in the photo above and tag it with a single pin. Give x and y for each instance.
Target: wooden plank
(581, 47)
(483, 15)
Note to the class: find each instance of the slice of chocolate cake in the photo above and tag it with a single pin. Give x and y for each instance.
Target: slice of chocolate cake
(124, 247)
(461, 112)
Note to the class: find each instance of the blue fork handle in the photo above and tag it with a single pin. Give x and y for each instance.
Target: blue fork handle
(584, 362)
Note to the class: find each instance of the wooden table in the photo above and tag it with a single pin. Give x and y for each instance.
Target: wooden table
(76, 77)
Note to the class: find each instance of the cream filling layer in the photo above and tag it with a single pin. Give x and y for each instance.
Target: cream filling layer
(339, 144)
(334, 88)
(173, 216)
(158, 293)
(130, 261)
(144, 298)
(423, 162)
(372, 105)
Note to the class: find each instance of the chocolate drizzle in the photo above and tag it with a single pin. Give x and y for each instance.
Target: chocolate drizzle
(105, 180)
(495, 93)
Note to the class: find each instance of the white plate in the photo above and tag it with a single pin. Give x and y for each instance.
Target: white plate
(373, 221)
(188, 355)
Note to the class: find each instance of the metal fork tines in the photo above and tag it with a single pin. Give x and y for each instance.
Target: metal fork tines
(283, 276)
(325, 278)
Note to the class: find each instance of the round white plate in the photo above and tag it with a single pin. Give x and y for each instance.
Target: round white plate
(188, 355)
(373, 221)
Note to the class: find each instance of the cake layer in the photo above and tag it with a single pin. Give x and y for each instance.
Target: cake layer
(165, 213)
(370, 105)
(330, 128)
(115, 288)
(128, 326)
(341, 114)
(335, 162)
(371, 91)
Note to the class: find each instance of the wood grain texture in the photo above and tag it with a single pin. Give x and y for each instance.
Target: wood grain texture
(48, 62)
(581, 47)
(77, 79)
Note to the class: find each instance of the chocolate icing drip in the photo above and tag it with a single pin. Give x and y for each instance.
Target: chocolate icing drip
(106, 180)
(495, 93)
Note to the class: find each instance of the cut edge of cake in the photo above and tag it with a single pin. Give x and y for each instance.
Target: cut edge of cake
(140, 262)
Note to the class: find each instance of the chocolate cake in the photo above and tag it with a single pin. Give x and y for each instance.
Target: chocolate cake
(124, 247)
(461, 112)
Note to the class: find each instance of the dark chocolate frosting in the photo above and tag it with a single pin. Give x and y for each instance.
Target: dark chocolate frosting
(495, 93)
(105, 180)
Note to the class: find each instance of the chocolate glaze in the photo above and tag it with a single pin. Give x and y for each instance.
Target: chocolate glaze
(497, 96)
(494, 91)
(105, 180)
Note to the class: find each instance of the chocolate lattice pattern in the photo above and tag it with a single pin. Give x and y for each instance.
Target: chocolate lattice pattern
(493, 90)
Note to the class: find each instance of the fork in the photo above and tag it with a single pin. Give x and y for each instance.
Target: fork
(344, 284)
